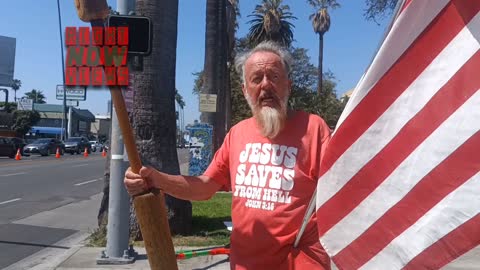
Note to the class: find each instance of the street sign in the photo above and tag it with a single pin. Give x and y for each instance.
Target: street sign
(73, 103)
(73, 92)
(208, 103)
(24, 104)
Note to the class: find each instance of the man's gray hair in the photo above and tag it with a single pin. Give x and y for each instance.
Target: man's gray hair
(265, 46)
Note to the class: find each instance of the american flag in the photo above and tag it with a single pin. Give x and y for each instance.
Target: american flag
(400, 181)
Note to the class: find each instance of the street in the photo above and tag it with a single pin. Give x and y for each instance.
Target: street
(36, 184)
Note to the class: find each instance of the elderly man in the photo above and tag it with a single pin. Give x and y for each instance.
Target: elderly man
(272, 163)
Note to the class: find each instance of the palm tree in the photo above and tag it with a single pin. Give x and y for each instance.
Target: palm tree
(16, 84)
(232, 24)
(321, 25)
(181, 104)
(36, 95)
(270, 22)
(215, 67)
(154, 108)
(179, 99)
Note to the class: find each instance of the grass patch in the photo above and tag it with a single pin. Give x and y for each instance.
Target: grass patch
(207, 225)
(207, 222)
(98, 238)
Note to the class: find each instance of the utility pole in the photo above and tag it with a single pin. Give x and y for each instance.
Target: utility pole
(118, 226)
(64, 119)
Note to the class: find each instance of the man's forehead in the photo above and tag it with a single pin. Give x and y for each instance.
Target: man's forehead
(264, 57)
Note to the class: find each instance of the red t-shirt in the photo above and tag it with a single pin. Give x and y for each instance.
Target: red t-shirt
(272, 183)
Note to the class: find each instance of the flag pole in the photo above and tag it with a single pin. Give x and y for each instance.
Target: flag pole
(306, 218)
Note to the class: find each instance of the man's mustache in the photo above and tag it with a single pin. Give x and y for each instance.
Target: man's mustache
(267, 95)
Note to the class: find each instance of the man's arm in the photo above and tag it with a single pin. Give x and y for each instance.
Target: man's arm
(192, 188)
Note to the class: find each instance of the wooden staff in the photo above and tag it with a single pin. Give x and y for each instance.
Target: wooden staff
(150, 208)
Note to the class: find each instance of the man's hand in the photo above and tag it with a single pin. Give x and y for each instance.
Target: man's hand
(140, 183)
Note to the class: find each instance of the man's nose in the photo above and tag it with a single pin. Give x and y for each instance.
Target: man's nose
(266, 84)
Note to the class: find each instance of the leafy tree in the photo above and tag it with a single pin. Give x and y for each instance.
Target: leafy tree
(378, 9)
(271, 22)
(8, 107)
(15, 86)
(23, 121)
(36, 95)
(321, 25)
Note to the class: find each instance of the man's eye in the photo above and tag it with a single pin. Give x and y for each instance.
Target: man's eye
(256, 79)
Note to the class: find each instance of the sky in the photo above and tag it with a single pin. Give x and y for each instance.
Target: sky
(349, 45)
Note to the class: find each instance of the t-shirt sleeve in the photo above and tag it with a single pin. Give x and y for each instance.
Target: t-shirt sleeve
(219, 168)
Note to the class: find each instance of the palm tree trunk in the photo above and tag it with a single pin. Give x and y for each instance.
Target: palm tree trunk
(320, 63)
(215, 67)
(153, 115)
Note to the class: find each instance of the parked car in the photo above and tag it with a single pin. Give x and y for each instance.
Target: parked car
(7, 147)
(44, 147)
(19, 143)
(77, 145)
(96, 146)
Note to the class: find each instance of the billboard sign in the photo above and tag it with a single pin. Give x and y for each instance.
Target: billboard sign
(7, 60)
(25, 104)
(73, 92)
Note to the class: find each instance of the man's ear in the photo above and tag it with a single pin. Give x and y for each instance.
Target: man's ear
(244, 90)
(289, 87)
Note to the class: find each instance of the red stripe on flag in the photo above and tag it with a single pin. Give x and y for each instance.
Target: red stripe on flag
(452, 95)
(407, 68)
(457, 242)
(435, 186)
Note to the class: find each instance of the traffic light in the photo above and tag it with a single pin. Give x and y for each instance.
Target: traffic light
(90, 10)
(139, 32)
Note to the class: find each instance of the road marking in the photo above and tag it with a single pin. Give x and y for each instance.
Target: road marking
(12, 174)
(9, 201)
(80, 165)
(87, 182)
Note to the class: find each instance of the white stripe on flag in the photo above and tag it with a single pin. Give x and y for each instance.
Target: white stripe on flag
(454, 210)
(395, 45)
(463, 123)
(445, 65)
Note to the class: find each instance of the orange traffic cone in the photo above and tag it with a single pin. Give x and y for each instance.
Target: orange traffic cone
(57, 154)
(18, 156)
(85, 153)
(104, 153)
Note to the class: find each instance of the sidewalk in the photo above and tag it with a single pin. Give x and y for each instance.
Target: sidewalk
(85, 258)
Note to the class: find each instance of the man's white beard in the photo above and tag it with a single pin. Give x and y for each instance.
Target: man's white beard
(270, 120)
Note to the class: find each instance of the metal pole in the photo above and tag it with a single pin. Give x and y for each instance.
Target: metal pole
(119, 201)
(64, 119)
